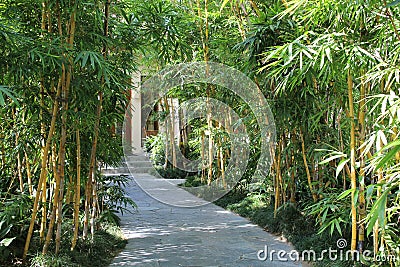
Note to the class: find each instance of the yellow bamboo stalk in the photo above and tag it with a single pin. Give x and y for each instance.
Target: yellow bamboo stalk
(77, 198)
(28, 173)
(210, 146)
(293, 170)
(19, 168)
(61, 158)
(88, 190)
(54, 209)
(255, 7)
(352, 163)
(361, 195)
(222, 160)
(202, 179)
(277, 179)
(91, 177)
(43, 172)
(303, 151)
(94, 209)
(380, 179)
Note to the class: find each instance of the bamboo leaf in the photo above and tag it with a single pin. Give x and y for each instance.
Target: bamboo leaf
(345, 193)
(331, 158)
(7, 92)
(223, 5)
(2, 102)
(338, 227)
(328, 54)
(324, 215)
(84, 60)
(382, 210)
(355, 200)
(370, 191)
(377, 211)
(340, 166)
(6, 241)
(390, 155)
(380, 138)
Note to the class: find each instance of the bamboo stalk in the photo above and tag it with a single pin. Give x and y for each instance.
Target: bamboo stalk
(65, 106)
(91, 179)
(379, 181)
(43, 172)
(352, 163)
(77, 189)
(54, 209)
(19, 168)
(91, 183)
(28, 173)
(361, 195)
(94, 207)
(202, 179)
(293, 169)
(210, 146)
(303, 151)
(278, 172)
(222, 159)
(88, 190)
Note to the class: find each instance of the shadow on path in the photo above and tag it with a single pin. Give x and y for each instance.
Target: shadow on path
(164, 235)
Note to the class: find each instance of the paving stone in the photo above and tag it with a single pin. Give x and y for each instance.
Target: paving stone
(163, 235)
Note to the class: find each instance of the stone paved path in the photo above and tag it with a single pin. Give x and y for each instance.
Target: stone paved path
(164, 235)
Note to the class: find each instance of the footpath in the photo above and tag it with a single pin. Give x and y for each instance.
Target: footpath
(166, 235)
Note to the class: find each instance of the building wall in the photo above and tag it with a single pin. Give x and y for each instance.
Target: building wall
(137, 123)
(136, 105)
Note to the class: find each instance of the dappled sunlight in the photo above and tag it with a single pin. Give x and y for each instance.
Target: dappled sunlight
(164, 235)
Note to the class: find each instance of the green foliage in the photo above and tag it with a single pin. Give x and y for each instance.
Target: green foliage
(4, 90)
(113, 199)
(290, 223)
(155, 145)
(192, 181)
(99, 251)
(332, 213)
(41, 260)
(14, 217)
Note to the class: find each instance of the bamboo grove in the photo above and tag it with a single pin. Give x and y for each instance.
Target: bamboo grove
(328, 68)
(330, 71)
(65, 69)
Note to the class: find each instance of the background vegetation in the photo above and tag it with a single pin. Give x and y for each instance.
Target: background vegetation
(330, 71)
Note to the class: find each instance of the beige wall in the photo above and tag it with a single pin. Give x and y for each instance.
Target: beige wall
(136, 118)
(136, 114)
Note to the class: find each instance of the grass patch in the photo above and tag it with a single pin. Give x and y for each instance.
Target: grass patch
(192, 181)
